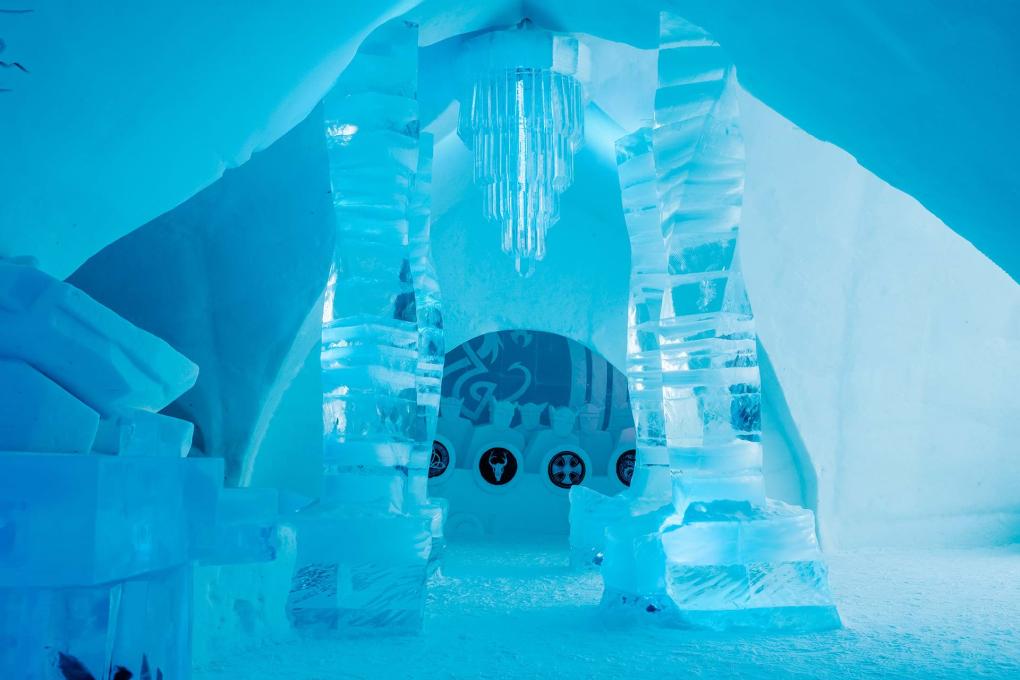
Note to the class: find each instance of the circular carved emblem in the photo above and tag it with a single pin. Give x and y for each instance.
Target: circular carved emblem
(440, 460)
(566, 469)
(497, 466)
(625, 466)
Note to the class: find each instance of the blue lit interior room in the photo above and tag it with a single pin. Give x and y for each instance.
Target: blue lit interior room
(509, 339)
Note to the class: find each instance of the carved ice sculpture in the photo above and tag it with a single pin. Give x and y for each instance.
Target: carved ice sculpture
(720, 556)
(531, 416)
(96, 549)
(363, 550)
(524, 119)
(648, 486)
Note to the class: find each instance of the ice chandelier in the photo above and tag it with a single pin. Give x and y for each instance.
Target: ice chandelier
(523, 115)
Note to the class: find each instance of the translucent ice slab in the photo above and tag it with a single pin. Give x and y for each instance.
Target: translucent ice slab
(141, 433)
(90, 351)
(359, 572)
(36, 414)
(80, 520)
(247, 529)
(141, 625)
(242, 605)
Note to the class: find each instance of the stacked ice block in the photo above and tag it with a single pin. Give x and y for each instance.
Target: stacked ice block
(243, 576)
(95, 549)
(363, 550)
(720, 556)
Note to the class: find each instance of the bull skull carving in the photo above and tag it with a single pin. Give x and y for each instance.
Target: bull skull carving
(497, 461)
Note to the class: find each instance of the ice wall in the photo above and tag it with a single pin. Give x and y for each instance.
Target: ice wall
(193, 63)
(218, 278)
(160, 97)
(895, 342)
(914, 90)
(143, 79)
(722, 556)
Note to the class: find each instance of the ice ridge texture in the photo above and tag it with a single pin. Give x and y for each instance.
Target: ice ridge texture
(89, 350)
(95, 549)
(363, 549)
(720, 556)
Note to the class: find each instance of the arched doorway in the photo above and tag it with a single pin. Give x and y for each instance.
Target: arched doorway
(525, 416)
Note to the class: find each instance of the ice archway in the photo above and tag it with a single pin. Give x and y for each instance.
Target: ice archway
(691, 362)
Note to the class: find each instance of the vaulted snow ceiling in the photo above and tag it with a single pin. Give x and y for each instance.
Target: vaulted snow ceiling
(126, 124)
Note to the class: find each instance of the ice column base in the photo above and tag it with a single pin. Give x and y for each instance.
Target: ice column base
(360, 573)
(591, 512)
(722, 566)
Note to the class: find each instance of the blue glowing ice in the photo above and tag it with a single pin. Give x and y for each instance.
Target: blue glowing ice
(720, 556)
(363, 549)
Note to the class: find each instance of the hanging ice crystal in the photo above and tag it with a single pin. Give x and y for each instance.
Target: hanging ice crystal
(524, 119)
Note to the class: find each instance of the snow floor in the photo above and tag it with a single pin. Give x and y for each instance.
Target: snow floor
(514, 610)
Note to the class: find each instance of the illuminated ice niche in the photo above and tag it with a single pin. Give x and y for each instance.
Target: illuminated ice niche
(523, 115)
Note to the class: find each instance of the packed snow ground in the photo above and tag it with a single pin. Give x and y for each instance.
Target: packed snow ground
(515, 611)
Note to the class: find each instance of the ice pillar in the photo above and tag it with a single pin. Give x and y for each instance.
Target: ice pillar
(431, 350)
(362, 551)
(721, 556)
(590, 511)
(636, 169)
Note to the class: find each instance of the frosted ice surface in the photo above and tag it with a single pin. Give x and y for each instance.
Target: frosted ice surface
(83, 519)
(141, 625)
(244, 575)
(361, 560)
(359, 571)
(87, 349)
(141, 433)
(36, 414)
(203, 484)
(590, 513)
(247, 529)
(431, 355)
(721, 556)
(238, 606)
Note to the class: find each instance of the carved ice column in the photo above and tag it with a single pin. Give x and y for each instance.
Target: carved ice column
(431, 349)
(362, 551)
(636, 169)
(722, 556)
(590, 511)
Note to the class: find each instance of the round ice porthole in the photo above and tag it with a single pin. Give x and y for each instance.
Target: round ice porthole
(440, 461)
(566, 469)
(625, 466)
(498, 466)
